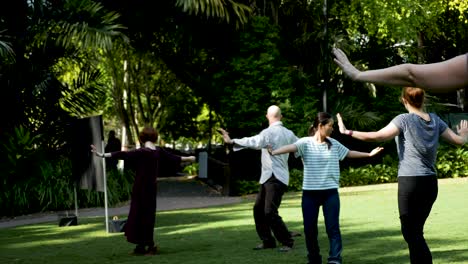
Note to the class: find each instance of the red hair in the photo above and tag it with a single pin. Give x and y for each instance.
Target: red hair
(414, 96)
(148, 134)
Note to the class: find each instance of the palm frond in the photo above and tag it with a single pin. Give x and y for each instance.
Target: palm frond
(356, 116)
(85, 94)
(6, 51)
(217, 9)
(88, 26)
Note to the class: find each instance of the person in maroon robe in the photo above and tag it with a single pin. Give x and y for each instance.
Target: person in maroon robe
(148, 161)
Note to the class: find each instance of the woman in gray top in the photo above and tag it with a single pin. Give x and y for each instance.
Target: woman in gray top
(417, 136)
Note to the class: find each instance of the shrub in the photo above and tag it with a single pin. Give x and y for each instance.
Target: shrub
(243, 187)
(452, 162)
(191, 169)
(54, 187)
(295, 180)
(369, 174)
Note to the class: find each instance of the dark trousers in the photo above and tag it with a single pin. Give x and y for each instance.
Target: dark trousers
(416, 195)
(330, 202)
(267, 218)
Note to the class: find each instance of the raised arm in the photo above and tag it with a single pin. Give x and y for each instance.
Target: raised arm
(284, 149)
(461, 138)
(446, 76)
(384, 134)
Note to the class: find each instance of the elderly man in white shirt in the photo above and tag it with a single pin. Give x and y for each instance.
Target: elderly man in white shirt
(274, 179)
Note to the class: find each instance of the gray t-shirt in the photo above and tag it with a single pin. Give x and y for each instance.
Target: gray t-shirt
(417, 143)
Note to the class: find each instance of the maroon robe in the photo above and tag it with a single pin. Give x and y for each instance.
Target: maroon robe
(148, 163)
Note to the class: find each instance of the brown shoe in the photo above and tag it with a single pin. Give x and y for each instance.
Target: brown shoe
(152, 251)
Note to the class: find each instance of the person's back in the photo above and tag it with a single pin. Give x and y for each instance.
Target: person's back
(418, 134)
(276, 136)
(274, 180)
(417, 143)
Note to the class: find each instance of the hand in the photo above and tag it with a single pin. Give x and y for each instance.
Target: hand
(375, 151)
(94, 150)
(342, 61)
(462, 129)
(341, 125)
(191, 158)
(270, 149)
(225, 134)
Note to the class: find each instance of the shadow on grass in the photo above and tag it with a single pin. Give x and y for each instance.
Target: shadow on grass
(210, 235)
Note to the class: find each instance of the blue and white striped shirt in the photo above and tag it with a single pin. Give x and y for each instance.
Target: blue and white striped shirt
(321, 165)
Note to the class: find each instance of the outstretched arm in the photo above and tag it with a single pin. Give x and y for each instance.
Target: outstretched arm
(384, 134)
(227, 139)
(358, 154)
(445, 76)
(461, 138)
(284, 149)
(99, 154)
(188, 159)
(254, 142)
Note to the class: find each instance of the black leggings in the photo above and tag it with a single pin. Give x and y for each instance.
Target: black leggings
(416, 195)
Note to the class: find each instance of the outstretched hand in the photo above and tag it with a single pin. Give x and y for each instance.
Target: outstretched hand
(341, 125)
(225, 134)
(462, 128)
(343, 62)
(190, 159)
(94, 150)
(375, 151)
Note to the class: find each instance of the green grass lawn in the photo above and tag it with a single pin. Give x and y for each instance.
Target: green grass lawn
(369, 224)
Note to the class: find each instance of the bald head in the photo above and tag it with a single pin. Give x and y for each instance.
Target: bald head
(273, 114)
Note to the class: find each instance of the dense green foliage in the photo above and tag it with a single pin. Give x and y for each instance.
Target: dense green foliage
(190, 66)
(48, 185)
(452, 162)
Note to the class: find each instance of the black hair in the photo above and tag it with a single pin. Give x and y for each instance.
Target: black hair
(322, 118)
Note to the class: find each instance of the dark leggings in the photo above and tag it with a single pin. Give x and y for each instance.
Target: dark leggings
(416, 195)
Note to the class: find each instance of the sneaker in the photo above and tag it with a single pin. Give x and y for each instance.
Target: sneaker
(295, 234)
(285, 249)
(263, 246)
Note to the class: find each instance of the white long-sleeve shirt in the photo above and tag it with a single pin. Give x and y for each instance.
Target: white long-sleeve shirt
(276, 135)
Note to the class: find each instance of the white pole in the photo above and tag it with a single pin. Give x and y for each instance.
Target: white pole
(106, 213)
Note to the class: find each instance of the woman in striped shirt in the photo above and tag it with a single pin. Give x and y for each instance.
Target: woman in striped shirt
(321, 156)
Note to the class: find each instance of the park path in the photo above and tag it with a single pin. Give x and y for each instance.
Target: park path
(173, 193)
(180, 193)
